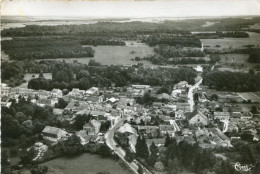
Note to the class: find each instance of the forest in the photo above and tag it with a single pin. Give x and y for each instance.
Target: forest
(177, 51)
(232, 81)
(131, 29)
(12, 73)
(124, 30)
(165, 54)
(183, 41)
(45, 48)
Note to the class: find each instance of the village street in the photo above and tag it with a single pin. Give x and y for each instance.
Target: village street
(118, 150)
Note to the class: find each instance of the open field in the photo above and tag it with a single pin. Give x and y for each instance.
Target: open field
(85, 163)
(234, 58)
(235, 63)
(254, 26)
(117, 55)
(234, 43)
(249, 96)
(28, 76)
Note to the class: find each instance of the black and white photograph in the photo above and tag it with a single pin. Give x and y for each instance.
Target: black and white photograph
(130, 87)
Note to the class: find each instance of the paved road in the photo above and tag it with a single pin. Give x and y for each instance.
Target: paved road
(190, 94)
(118, 150)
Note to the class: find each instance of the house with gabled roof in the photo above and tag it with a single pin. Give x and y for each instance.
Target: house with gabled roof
(181, 84)
(53, 134)
(222, 115)
(197, 118)
(150, 131)
(56, 93)
(92, 91)
(92, 127)
(127, 128)
(166, 129)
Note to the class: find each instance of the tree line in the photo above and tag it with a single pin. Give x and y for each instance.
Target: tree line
(66, 76)
(219, 34)
(254, 56)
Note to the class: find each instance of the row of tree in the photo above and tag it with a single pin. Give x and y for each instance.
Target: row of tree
(95, 41)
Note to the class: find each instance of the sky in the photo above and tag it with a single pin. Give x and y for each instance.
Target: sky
(130, 8)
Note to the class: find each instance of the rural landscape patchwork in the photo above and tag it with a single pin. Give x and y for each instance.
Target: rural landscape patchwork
(116, 96)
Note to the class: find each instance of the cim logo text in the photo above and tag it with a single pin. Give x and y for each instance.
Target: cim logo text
(243, 168)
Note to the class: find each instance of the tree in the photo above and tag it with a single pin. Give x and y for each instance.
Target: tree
(145, 151)
(93, 63)
(104, 150)
(142, 122)
(252, 72)
(84, 83)
(141, 147)
(129, 156)
(153, 149)
(41, 75)
(5, 168)
(167, 140)
(214, 97)
(39, 170)
(11, 127)
(137, 58)
(254, 109)
(254, 56)
(196, 97)
(83, 74)
(105, 126)
(61, 103)
(80, 120)
(219, 109)
(159, 166)
(164, 89)
(138, 146)
(71, 146)
(174, 167)
(38, 127)
(152, 159)
(27, 156)
(20, 117)
(65, 91)
(4, 158)
(140, 169)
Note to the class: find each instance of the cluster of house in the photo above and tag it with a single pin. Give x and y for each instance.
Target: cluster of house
(171, 118)
(40, 97)
(207, 124)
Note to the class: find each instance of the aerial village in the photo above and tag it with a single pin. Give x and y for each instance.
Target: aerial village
(191, 113)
